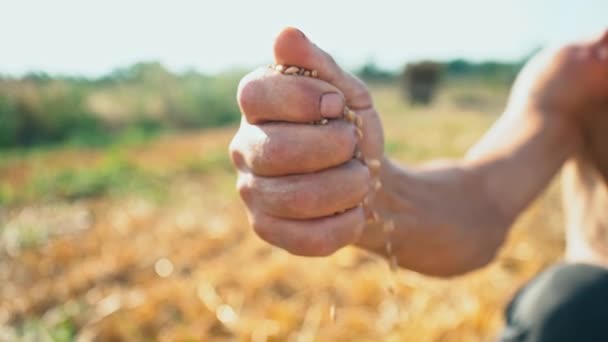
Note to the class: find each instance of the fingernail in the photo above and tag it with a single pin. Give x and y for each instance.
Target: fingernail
(302, 33)
(331, 105)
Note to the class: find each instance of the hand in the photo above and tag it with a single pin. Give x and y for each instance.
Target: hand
(571, 80)
(299, 182)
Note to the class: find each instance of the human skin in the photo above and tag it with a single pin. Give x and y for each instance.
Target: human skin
(302, 188)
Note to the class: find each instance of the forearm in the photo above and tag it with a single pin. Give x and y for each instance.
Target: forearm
(519, 156)
(443, 223)
(468, 206)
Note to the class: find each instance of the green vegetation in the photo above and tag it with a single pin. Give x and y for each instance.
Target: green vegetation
(131, 103)
(113, 175)
(139, 102)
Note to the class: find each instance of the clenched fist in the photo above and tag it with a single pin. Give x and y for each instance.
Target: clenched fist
(301, 184)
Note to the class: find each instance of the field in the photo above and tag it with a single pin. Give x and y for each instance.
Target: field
(149, 241)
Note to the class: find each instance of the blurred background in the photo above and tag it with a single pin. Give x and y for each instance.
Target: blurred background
(118, 214)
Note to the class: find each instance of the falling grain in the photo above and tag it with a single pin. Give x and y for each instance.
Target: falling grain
(349, 115)
(373, 164)
(389, 227)
(358, 121)
(359, 133)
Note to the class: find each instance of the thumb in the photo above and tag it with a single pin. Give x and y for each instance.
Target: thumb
(292, 47)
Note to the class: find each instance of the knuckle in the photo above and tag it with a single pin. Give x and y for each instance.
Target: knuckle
(245, 187)
(235, 153)
(246, 95)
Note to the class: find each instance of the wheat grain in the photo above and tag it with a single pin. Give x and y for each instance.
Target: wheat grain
(358, 121)
(373, 164)
(374, 216)
(388, 246)
(388, 227)
(349, 115)
(360, 133)
(377, 185)
(292, 70)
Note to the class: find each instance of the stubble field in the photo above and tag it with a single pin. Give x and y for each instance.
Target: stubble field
(149, 241)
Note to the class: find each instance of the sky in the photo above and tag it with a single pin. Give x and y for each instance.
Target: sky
(82, 37)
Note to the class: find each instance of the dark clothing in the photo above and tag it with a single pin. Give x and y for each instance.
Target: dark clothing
(567, 302)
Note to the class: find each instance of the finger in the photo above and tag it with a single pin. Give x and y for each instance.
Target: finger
(318, 237)
(291, 47)
(280, 149)
(267, 95)
(310, 195)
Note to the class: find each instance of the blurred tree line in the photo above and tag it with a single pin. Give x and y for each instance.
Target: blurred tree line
(140, 100)
(489, 71)
(420, 80)
(144, 99)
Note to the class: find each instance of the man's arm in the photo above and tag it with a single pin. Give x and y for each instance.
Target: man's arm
(451, 217)
(302, 188)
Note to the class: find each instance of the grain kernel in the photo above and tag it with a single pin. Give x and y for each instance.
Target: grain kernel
(359, 133)
(349, 115)
(292, 70)
(375, 216)
(388, 227)
(373, 164)
(358, 121)
(377, 185)
(394, 265)
(332, 313)
(388, 246)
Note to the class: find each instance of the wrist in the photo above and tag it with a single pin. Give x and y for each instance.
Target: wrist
(383, 204)
(441, 223)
